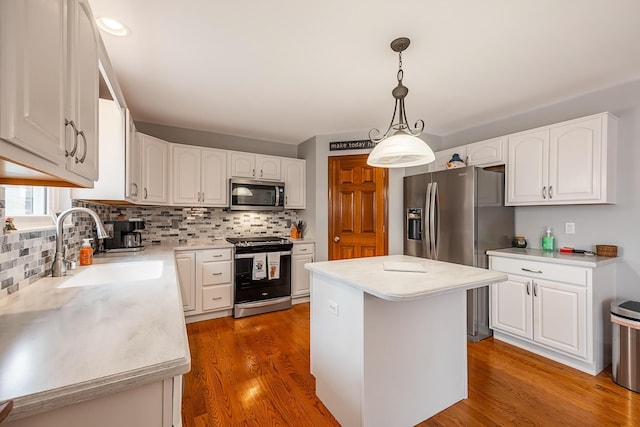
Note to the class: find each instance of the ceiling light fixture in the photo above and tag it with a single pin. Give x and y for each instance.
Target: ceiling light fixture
(112, 26)
(400, 146)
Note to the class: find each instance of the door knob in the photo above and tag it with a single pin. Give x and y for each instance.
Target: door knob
(336, 239)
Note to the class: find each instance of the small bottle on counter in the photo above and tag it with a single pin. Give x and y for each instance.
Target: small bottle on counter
(548, 241)
(86, 252)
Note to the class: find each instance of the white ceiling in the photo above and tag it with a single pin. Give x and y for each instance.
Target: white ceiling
(286, 70)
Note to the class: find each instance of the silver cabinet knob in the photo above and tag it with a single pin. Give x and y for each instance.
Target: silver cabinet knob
(336, 239)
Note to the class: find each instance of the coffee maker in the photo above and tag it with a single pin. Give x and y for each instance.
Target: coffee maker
(124, 236)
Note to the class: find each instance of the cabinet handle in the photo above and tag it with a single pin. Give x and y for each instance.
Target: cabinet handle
(75, 138)
(84, 155)
(303, 250)
(145, 193)
(217, 256)
(544, 192)
(531, 271)
(528, 290)
(550, 192)
(216, 274)
(261, 171)
(535, 289)
(216, 299)
(253, 172)
(134, 185)
(202, 197)
(286, 199)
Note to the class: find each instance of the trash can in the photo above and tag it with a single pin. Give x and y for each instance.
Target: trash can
(625, 364)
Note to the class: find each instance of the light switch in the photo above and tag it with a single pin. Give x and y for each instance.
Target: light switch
(333, 308)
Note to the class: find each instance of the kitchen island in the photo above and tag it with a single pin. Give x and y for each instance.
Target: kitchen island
(104, 346)
(388, 348)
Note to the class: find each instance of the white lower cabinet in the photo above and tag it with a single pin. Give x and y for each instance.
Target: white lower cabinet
(301, 254)
(553, 309)
(206, 282)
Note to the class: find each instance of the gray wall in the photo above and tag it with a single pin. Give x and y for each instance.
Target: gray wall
(606, 224)
(216, 140)
(316, 152)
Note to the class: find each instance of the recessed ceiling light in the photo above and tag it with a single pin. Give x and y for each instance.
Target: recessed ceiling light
(112, 26)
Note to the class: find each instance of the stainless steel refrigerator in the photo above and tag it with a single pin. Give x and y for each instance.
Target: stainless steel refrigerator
(455, 216)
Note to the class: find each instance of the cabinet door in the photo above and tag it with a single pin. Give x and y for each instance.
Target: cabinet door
(155, 161)
(486, 153)
(294, 177)
(243, 165)
(83, 86)
(575, 161)
(528, 168)
(299, 275)
(214, 177)
(186, 269)
(185, 175)
(560, 316)
(511, 309)
(32, 76)
(132, 160)
(269, 168)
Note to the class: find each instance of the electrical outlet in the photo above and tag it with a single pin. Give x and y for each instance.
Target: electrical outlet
(333, 308)
(570, 228)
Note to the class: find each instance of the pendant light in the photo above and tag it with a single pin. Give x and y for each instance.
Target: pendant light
(400, 146)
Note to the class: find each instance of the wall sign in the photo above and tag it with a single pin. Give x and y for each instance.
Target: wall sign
(351, 145)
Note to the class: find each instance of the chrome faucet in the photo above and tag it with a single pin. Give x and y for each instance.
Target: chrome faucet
(59, 267)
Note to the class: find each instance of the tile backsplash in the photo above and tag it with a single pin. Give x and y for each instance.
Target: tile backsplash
(27, 256)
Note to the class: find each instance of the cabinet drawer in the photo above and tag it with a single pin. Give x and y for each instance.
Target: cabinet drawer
(214, 273)
(216, 297)
(214, 255)
(541, 270)
(302, 249)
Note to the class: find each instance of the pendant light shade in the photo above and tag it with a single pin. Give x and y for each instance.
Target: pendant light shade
(401, 150)
(400, 146)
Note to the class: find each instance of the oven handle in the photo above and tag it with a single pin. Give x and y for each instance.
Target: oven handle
(238, 256)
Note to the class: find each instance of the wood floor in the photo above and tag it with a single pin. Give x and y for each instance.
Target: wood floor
(255, 372)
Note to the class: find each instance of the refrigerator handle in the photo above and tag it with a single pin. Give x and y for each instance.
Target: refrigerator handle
(434, 219)
(427, 220)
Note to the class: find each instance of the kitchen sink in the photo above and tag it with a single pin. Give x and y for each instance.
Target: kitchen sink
(101, 274)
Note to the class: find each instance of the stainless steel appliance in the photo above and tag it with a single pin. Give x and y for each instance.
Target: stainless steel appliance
(455, 216)
(253, 295)
(124, 236)
(249, 195)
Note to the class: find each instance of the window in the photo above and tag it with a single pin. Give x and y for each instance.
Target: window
(34, 207)
(22, 200)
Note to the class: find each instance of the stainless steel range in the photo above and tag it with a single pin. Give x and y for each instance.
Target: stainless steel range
(262, 275)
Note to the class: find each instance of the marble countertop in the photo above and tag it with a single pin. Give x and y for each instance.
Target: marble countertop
(579, 260)
(203, 244)
(61, 345)
(368, 275)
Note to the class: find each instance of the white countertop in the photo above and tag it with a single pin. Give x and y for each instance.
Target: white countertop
(203, 244)
(368, 275)
(64, 345)
(579, 260)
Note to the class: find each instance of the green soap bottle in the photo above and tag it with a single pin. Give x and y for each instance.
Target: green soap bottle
(548, 241)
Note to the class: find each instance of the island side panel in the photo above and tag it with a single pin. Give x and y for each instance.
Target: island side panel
(336, 347)
(415, 358)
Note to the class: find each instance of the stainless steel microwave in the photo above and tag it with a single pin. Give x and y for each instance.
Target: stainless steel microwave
(249, 195)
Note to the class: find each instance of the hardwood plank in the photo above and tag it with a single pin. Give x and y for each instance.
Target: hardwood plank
(255, 372)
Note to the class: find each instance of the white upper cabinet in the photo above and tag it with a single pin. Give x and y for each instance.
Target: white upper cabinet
(155, 170)
(49, 87)
(568, 163)
(294, 177)
(133, 164)
(199, 176)
(82, 80)
(255, 166)
(486, 153)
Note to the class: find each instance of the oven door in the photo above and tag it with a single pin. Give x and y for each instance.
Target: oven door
(249, 290)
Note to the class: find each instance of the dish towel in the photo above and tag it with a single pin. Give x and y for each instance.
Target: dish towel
(273, 263)
(259, 266)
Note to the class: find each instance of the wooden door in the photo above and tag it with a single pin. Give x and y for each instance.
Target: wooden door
(357, 208)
